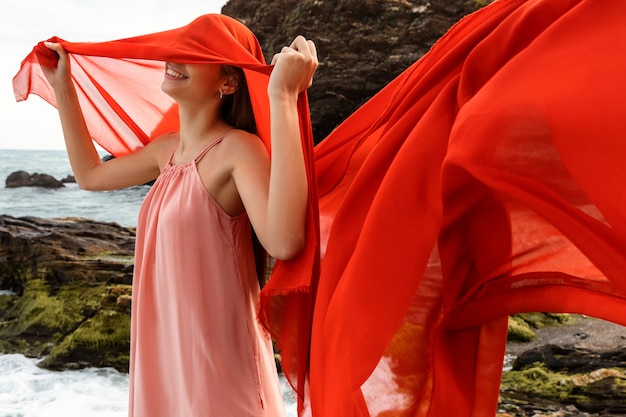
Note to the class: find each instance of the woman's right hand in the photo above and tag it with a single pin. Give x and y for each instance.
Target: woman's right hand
(61, 75)
(294, 67)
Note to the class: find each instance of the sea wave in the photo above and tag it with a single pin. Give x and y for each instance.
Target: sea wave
(29, 391)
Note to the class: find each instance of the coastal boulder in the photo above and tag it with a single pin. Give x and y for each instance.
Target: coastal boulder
(69, 179)
(66, 291)
(24, 179)
(566, 379)
(362, 44)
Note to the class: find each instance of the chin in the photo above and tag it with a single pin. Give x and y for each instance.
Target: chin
(167, 89)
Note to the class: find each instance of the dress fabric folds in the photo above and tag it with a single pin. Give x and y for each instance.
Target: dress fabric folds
(197, 348)
(483, 181)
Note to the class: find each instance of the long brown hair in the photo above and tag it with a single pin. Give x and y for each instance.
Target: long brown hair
(237, 111)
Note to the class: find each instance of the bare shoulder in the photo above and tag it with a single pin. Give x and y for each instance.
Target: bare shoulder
(243, 146)
(244, 140)
(163, 146)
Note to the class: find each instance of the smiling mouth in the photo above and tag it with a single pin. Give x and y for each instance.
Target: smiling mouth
(173, 73)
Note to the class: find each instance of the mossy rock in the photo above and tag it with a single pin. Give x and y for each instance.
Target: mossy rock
(68, 284)
(101, 341)
(538, 381)
(597, 391)
(519, 330)
(541, 320)
(39, 314)
(521, 325)
(73, 326)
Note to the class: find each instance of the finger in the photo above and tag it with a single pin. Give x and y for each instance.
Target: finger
(284, 50)
(299, 44)
(277, 56)
(56, 47)
(52, 45)
(312, 47)
(294, 42)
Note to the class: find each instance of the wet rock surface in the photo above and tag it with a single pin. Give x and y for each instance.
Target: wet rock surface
(66, 288)
(570, 370)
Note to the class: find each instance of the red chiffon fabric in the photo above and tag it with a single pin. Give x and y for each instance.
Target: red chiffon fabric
(485, 180)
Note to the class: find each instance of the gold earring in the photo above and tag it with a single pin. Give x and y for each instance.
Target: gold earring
(221, 95)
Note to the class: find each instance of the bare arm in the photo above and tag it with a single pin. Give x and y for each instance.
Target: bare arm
(88, 169)
(279, 220)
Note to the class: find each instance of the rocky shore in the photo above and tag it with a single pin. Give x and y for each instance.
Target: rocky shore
(66, 291)
(65, 295)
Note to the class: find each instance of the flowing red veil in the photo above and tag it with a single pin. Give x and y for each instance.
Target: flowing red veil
(483, 181)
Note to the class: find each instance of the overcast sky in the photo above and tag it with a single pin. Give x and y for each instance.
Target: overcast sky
(34, 124)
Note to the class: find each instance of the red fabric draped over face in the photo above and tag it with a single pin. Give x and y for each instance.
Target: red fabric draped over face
(485, 180)
(118, 84)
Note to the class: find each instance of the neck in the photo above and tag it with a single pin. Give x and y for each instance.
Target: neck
(198, 124)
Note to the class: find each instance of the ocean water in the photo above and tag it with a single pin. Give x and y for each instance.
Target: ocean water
(25, 389)
(28, 391)
(120, 206)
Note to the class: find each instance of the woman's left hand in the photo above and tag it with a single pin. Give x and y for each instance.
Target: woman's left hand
(294, 67)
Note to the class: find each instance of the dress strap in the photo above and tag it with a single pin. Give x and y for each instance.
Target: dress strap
(210, 146)
(169, 160)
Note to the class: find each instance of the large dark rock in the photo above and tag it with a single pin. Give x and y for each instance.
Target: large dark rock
(24, 179)
(362, 44)
(572, 359)
(66, 291)
(566, 380)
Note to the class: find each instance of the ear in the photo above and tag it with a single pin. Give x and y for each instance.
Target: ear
(230, 84)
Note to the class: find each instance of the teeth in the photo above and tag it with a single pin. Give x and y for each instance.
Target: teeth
(176, 74)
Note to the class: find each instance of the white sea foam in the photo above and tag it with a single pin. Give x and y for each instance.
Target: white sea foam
(29, 391)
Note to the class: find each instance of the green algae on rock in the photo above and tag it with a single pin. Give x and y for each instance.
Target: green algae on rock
(100, 341)
(519, 330)
(602, 390)
(521, 325)
(67, 291)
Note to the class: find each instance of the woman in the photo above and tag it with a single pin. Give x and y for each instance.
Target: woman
(196, 346)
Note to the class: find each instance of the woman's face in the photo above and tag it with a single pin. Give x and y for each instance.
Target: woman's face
(192, 81)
